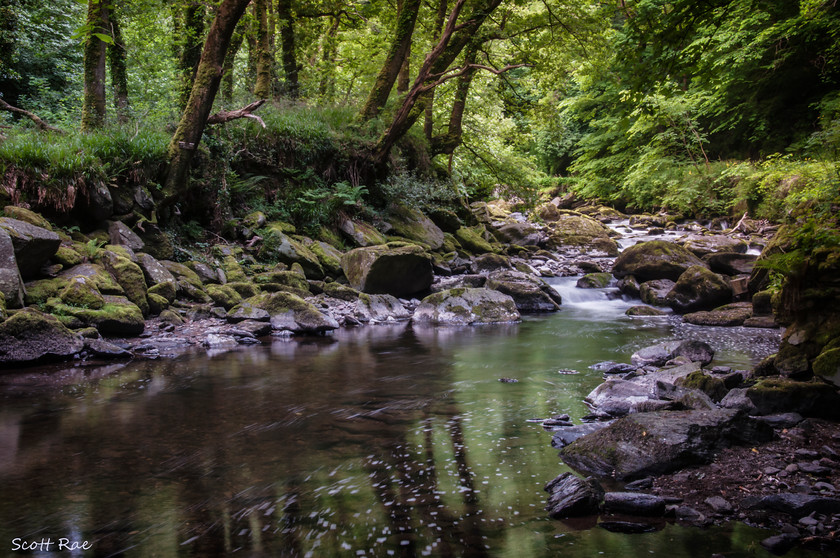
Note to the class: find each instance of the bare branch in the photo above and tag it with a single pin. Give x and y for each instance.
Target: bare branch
(462, 71)
(244, 112)
(43, 126)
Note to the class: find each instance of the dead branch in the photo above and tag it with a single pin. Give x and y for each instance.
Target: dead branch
(446, 76)
(244, 112)
(43, 126)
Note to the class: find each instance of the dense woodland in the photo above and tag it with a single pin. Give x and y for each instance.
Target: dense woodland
(710, 108)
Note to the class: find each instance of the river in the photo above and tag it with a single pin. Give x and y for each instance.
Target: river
(374, 441)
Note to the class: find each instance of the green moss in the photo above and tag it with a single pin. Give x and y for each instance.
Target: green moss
(38, 292)
(114, 318)
(67, 256)
(472, 240)
(130, 277)
(166, 289)
(341, 292)
(157, 304)
(594, 281)
(827, 364)
(81, 292)
(244, 288)
(711, 386)
(282, 278)
(22, 214)
(223, 295)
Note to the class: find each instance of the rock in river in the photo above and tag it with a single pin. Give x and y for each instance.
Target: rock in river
(466, 306)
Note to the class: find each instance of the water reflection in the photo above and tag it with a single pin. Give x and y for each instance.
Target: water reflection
(380, 441)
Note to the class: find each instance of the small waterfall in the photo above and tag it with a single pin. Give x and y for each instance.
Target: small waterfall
(591, 301)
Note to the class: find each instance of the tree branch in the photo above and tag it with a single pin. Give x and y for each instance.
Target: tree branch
(244, 112)
(43, 126)
(462, 71)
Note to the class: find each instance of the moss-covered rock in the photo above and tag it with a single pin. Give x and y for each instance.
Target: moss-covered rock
(166, 289)
(575, 232)
(205, 272)
(157, 303)
(104, 281)
(172, 317)
(710, 385)
(380, 308)
(223, 295)
(464, 306)
(389, 269)
(328, 256)
(11, 283)
(3, 313)
(26, 215)
(472, 239)
(229, 258)
(245, 289)
(182, 272)
(361, 234)
(38, 292)
(782, 395)
(341, 292)
(32, 245)
(487, 263)
(155, 241)
(728, 315)
(289, 250)
(282, 278)
(289, 312)
(68, 256)
(82, 292)
(644, 311)
(130, 277)
(412, 224)
(529, 293)
(594, 281)
(31, 336)
(699, 288)
(118, 316)
(256, 220)
(656, 259)
(701, 245)
(827, 365)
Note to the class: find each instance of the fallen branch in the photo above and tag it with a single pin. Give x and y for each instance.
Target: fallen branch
(244, 112)
(43, 126)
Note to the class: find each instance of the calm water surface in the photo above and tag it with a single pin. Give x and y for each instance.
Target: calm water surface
(377, 441)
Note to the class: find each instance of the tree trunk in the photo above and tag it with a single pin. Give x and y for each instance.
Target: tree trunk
(230, 58)
(429, 118)
(406, 18)
(203, 93)
(119, 74)
(287, 44)
(265, 57)
(192, 29)
(437, 62)
(93, 101)
(452, 139)
(326, 86)
(404, 77)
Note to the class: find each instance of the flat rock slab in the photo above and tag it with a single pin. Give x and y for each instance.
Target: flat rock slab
(645, 444)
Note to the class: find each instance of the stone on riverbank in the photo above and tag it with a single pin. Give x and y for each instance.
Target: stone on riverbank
(32, 245)
(698, 288)
(659, 354)
(466, 306)
(11, 283)
(31, 336)
(412, 224)
(645, 444)
(530, 293)
(398, 270)
(730, 315)
(780, 395)
(571, 496)
(287, 312)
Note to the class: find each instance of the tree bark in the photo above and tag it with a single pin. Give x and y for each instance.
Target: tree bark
(326, 86)
(93, 100)
(230, 58)
(452, 139)
(406, 18)
(453, 40)
(192, 29)
(285, 21)
(194, 118)
(119, 74)
(265, 57)
(429, 110)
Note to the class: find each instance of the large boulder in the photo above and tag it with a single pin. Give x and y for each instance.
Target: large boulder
(472, 239)
(656, 259)
(413, 225)
(654, 443)
(289, 250)
(731, 263)
(398, 270)
(655, 292)
(466, 306)
(11, 283)
(31, 336)
(521, 233)
(379, 308)
(575, 232)
(781, 395)
(699, 288)
(156, 274)
(700, 245)
(130, 277)
(33, 245)
(289, 312)
(659, 354)
(734, 314)
(121, 234)
(530, 293)
(361, 233)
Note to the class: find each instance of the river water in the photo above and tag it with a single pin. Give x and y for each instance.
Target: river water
(376, 441)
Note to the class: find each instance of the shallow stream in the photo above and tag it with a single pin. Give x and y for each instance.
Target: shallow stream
(376, 441)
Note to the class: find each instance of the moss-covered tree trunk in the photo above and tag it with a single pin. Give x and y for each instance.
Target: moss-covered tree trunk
(285, 21)
(265, 56)
(400, 45)
(208, 77)
(119, 73)
(230, 58)
(93, 100)
(326, 85)
(191, 33)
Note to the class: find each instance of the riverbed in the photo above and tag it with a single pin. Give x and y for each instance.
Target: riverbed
(375, 441)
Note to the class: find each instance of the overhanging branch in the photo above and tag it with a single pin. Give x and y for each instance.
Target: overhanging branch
(244, 112)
